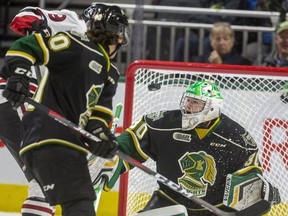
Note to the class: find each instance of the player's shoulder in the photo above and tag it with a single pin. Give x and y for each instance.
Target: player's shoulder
(81, 43)
(166, 120)
(56, 15)
(30, 9)
(80, 39)
(235, 133)
(114, 69)
(230, 124)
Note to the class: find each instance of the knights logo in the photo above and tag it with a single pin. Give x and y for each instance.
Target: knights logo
(92, 97)
(199, 170)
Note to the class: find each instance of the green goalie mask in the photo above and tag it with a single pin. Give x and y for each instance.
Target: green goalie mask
(201, 102)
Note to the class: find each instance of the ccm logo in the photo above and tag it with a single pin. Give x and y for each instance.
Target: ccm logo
(23, 71)
(48, 187)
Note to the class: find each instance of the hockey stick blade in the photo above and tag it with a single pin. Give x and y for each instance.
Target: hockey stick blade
(256, 208)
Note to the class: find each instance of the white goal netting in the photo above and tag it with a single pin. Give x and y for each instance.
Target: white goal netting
(251, 98)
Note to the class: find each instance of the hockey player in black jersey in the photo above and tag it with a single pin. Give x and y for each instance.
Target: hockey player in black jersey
(197, 147)
(80, 86)
(31, 20)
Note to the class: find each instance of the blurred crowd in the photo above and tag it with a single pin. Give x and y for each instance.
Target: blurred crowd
(222, 44)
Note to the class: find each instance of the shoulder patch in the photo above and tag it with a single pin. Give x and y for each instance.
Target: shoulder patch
(248, 139)
(155, 116)
(95, 66)
(182, 137)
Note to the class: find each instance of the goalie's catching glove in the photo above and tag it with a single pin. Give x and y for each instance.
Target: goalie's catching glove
(107, 146)
(17, 90)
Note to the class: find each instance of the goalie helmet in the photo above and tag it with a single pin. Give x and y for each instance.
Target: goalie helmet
(204, 92)
(108, 18)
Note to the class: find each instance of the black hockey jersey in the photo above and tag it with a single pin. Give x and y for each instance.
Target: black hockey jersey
(198, 159)
(80, 85)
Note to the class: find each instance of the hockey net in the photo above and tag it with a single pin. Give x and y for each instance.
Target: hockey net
(251, 98)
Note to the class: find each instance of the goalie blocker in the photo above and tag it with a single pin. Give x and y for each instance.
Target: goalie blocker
(246, 187)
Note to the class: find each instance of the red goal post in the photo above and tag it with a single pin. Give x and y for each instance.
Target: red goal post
(251, 97)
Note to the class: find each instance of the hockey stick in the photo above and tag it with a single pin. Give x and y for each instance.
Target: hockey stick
(99, 189)
(254, 210)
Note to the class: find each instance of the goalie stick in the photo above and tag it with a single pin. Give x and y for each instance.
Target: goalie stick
(258, 208)
(99, 188)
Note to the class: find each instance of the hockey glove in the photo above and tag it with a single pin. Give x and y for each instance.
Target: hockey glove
(38, 26)
(17, 90)
(107, 146)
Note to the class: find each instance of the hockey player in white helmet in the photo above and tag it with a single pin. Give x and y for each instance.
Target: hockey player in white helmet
(198, 147)
(28, 21)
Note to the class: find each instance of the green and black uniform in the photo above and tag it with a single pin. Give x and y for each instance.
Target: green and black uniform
(198, 159)
(79, 85)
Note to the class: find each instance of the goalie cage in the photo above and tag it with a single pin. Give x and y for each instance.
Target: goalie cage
(251, 98)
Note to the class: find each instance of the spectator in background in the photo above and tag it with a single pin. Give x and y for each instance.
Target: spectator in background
(279, 56)
(222, 41)
(252, 52)
(210, 19)
(165, 33)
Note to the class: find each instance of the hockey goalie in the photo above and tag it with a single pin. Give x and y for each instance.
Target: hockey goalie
(204, 151)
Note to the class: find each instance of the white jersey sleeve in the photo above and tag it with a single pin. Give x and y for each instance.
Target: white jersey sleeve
(56, 20)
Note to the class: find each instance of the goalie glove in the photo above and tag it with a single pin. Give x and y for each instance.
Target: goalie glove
(243, 188)
(247, 187)
(109, 170)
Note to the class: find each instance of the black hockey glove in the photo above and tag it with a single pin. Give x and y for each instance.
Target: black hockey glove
(107, 147)
(38, 27)
(17, 90)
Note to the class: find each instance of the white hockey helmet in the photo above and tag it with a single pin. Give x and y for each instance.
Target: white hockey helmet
(207, 92)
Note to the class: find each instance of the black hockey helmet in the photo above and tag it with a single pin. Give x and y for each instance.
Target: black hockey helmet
(108, 18)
